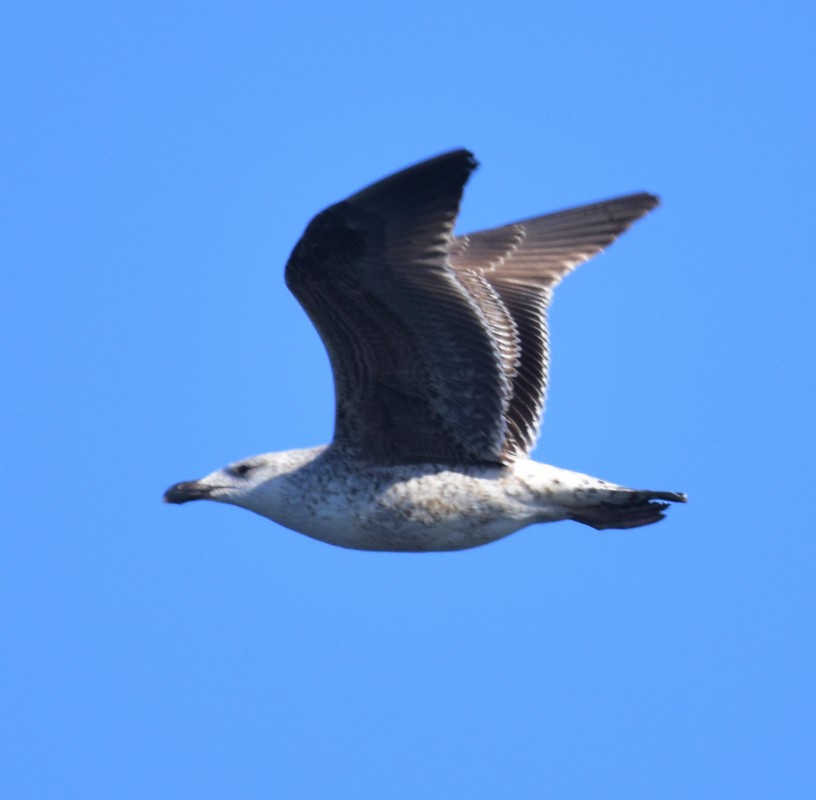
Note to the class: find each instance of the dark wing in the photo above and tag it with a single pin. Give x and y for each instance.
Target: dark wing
(438, 344)
(421, 354)
(523, 262)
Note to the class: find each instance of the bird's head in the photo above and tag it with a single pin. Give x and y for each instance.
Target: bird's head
(227, 485)
(250, 483)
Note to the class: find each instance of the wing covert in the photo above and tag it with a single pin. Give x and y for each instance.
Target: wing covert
(418, 371)
(439, 345)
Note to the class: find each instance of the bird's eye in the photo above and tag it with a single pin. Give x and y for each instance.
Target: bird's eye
(240, 470)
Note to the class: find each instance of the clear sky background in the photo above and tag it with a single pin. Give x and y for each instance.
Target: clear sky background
(160, 159)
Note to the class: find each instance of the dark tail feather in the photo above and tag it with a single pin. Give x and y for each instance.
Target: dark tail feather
(626, 509)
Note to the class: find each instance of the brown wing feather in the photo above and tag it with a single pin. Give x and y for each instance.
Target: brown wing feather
(523, 262)
(438, 344)
(420, 367)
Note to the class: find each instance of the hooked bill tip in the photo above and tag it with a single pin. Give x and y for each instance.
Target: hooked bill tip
(185, 491)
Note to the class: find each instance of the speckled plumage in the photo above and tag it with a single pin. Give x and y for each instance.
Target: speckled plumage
(439, 351)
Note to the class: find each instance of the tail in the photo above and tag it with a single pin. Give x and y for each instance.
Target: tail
(624, 508)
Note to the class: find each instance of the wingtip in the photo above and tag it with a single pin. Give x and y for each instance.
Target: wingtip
(461, 154)
(644, 201)
(473, 162)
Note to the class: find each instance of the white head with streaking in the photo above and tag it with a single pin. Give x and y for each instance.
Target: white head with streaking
(439, 351)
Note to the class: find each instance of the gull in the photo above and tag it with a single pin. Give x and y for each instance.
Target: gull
(439, 351)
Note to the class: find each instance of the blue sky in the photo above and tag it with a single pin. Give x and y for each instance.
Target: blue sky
(159, 162)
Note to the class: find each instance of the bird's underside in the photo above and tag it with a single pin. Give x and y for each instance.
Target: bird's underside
(439, 351)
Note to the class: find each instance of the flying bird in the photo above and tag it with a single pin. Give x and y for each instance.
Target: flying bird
(439, 350)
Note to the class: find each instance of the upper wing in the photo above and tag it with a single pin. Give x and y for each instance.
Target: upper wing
(523, 262)
(419, 373)
(438, 344)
